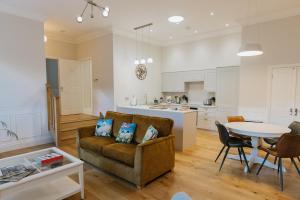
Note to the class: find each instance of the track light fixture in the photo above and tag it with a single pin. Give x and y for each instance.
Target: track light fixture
(104, 10)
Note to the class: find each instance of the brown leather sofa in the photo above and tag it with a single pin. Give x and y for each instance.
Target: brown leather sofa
(138, 162)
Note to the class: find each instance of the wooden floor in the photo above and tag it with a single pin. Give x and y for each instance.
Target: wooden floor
(195, 173)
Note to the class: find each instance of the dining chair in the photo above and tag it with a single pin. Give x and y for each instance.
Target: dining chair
(231, 142)
(295, 130)
(238, 119)
(288, 146)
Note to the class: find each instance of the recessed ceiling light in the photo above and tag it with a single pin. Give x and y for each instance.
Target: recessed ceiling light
(226, 25)
(151, 30)
(171, 37)
(195, 31)
(176, 19)
(212, 13)
(45, 38)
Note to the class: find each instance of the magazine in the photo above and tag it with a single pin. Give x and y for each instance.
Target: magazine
(15, 173)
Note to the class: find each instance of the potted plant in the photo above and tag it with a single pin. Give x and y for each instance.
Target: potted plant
(9, 133)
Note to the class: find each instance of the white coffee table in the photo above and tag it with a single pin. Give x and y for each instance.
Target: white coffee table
(256, 131)
(46, 184)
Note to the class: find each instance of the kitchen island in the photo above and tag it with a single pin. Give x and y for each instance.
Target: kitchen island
(184, 122)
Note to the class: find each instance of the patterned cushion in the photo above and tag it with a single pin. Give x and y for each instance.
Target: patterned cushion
(151, 134)
(104, 127)
(126, 133)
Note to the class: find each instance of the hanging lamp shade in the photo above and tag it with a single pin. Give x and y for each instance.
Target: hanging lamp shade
(250, 49)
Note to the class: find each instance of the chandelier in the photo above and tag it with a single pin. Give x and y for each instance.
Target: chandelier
(104, 10)
(143, 59)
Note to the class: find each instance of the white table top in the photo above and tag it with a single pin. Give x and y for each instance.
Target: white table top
(257, 129)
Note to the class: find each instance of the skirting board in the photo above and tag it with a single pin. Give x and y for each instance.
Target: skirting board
(34, 141)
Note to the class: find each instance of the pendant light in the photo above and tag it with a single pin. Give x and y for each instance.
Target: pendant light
(136, 61)
(150, 59)
(249, 49)
(140, 45)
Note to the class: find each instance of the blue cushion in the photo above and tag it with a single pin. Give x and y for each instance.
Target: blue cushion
(104, 127)
(126, 133)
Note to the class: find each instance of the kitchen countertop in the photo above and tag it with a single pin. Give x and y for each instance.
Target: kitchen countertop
(147, 107)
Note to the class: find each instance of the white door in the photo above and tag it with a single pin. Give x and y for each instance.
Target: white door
(87, 82)
(71, 90)
(282, 96)
(297, 99)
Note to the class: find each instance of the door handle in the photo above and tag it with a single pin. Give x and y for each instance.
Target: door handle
(296, 111)
(291, 111)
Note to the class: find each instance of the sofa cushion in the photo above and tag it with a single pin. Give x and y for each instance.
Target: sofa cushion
(162, 125)
(118, 119)
(151, 134)
(104, 127)
(126, 133)
(95, 143)
(123, 153)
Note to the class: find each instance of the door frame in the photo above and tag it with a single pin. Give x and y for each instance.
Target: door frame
(269, 84)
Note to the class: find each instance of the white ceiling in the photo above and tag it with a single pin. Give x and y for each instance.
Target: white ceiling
(59, 15)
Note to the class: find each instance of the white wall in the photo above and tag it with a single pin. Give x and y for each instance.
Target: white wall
(22, 82)
(203, 54)
(59, 49)
(281, 45)
(100, 50)
(126, 84)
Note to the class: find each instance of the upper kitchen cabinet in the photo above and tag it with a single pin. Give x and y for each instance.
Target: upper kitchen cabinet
(210, 81)
(193, 76)
(172, 82)
(175, 81)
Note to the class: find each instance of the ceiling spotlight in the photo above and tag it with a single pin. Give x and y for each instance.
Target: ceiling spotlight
(212, 13)
(226, 25)
(170, 37)
(176, 19)
(196, 31)
(104, 10)
(45, 38)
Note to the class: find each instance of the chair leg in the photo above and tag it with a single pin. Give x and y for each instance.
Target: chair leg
(298, 170)
(278, 166)
(275, 161)
(220, 153)
(240, 155)
(261, 166)
(227, 150)
(281, 174)
(242, 150)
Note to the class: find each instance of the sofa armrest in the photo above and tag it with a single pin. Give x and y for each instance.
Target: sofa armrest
(153, 158)
(86, 132)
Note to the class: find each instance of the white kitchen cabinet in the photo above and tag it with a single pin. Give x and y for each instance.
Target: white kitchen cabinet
(210, 81)
(207, 118)
(193, 76)
(172, 82)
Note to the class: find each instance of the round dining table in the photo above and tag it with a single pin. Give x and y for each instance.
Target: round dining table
(256, 131)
